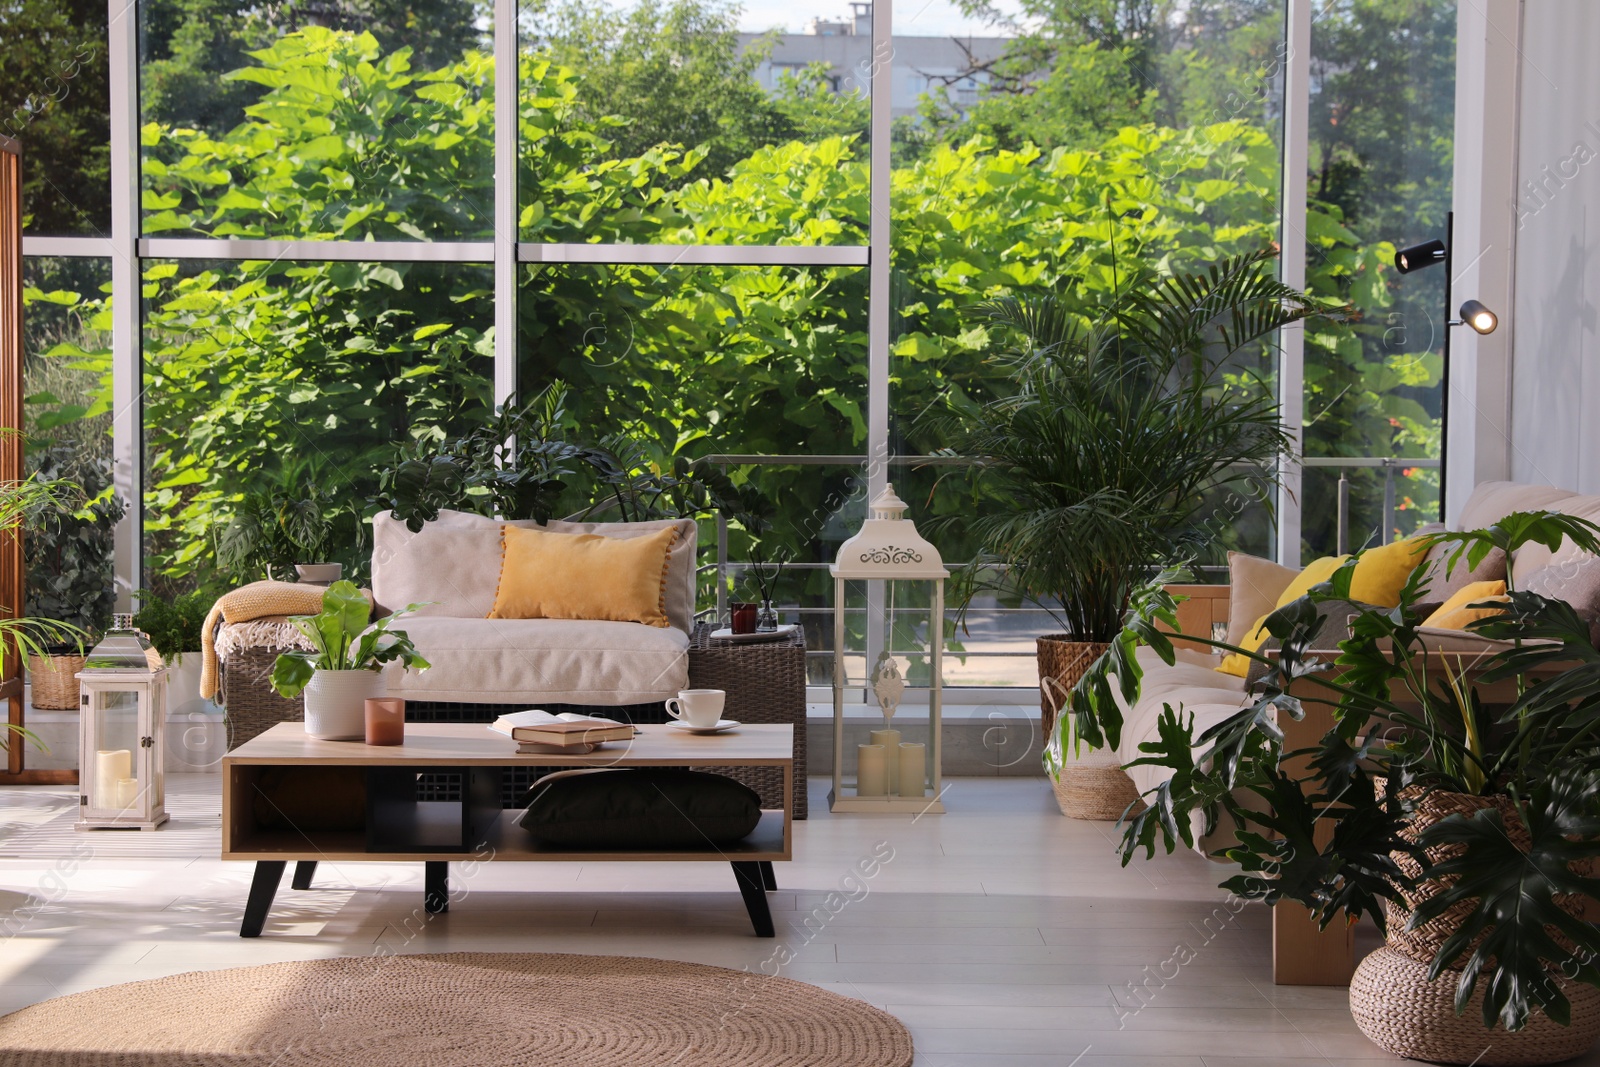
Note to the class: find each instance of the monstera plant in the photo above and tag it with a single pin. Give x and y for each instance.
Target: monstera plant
(1464, 820)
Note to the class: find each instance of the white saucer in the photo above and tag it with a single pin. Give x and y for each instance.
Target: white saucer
(728, 635)
(723, 725)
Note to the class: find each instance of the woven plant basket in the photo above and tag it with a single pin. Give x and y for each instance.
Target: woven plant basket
(54, 680)
(1423, 943)
(1096, 793)
(1062, 662)
(1402, 1012)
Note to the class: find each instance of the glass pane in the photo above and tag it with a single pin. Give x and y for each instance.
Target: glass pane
(281, 385)
(114, 781)
(1073, 152)
(317, 122)
(1382, 122)
(53, 100)
(67, 417)
(687, 122)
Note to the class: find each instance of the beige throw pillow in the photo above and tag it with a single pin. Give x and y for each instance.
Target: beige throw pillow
(1254, 585)
(1437, 587)
(451, 565)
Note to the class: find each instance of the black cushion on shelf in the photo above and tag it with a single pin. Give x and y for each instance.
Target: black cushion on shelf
(640, 808)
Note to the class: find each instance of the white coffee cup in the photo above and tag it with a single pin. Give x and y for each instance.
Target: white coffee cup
(697, 707)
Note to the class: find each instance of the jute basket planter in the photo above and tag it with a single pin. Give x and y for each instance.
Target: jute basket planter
(54, 681)
(1399, 1010)
(1099, 791)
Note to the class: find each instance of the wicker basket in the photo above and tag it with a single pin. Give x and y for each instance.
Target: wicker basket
(1062, 662)
(765, 681)
(1424, 943)
(1402, 1012)
(54, 681)
(1096, 793)
(246, 692)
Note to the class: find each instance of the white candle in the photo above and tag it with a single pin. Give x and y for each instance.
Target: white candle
(127, 792)
(872, 770)
(913, 770)
(890, 740)
(110, 767)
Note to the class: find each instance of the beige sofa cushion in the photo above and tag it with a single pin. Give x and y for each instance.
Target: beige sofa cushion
(1492, 501)
(1254, 585)
(559, 661)
(453, 564)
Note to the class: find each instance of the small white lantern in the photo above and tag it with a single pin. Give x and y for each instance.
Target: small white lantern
(888, 775)
(123, 712)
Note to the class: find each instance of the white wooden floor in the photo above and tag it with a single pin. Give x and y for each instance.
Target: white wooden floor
(1001, 933)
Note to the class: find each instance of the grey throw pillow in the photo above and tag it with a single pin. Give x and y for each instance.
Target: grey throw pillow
(1333, 626)
(1575, 580)
(1437, 587)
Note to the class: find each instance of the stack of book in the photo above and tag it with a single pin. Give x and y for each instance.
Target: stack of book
(537, 731)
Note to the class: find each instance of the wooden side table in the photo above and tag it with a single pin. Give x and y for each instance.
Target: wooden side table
(766, 683)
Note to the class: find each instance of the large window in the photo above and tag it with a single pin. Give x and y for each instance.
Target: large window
(751, 240)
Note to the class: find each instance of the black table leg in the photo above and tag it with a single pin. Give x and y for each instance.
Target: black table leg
(262, 889)
(769, 880)
(748, 874)
(436, 887)
(304, 871)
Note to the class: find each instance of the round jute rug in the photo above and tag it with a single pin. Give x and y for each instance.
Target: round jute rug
(459, 1009)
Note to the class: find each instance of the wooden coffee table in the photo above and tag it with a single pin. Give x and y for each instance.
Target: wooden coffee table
(398, 827)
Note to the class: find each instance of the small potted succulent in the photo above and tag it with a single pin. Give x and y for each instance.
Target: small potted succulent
(344, 666)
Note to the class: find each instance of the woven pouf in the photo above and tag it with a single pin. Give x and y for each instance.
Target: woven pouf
(1096, 793)
(1402, 1012)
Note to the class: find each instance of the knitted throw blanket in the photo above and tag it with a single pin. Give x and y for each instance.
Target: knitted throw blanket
(258, 600)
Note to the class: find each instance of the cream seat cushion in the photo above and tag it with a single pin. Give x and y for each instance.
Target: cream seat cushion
(558, 661)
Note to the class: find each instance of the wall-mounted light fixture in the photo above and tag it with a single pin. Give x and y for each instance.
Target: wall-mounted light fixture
(1473, 314)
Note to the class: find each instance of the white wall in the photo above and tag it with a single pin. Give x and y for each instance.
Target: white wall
(1555, 379)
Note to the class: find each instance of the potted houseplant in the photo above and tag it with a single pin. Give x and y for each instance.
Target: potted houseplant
(1468, 831)
(343, 667)
(32, 637)
(70, 560)
(1097, 463)
(174, 627)
(296, 527)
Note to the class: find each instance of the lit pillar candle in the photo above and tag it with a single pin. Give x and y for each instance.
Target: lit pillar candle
(913, 763)
(890, 740)
(872, 770)
(110, 767)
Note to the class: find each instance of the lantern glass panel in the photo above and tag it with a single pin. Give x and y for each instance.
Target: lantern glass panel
(115, 785)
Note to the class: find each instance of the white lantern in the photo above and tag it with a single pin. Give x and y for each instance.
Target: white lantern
(121, 778)
(888, 774)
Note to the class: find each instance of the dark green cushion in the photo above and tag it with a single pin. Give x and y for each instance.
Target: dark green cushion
(640, 808)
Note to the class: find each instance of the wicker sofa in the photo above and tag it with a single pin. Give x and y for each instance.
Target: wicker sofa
(484, 667)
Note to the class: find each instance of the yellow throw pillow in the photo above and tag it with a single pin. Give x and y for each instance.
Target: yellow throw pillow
(1315, 573)
(1383, 571)
(547, 575)
(1455, 613)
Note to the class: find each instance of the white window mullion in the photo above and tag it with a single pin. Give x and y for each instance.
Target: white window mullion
(1292, 240)
(127, 387)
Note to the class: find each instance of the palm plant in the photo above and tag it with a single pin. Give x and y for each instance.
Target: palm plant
(1408, 726)
(1099, 462)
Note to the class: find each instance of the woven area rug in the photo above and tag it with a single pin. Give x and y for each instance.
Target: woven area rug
(463, 1009)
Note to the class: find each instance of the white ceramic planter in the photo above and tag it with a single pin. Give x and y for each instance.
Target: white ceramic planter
(336, 703)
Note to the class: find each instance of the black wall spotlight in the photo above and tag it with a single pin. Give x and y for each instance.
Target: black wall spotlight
(1479, 317)
(1418, 256)
(1473, 314)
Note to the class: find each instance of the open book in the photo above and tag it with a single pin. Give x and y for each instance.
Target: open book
(536, 730)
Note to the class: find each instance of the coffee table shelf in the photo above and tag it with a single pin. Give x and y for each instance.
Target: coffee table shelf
(398, 828)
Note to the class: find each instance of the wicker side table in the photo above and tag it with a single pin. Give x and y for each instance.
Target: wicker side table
(765, 682)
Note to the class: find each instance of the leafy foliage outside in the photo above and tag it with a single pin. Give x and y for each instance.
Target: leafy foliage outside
(254, 367)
